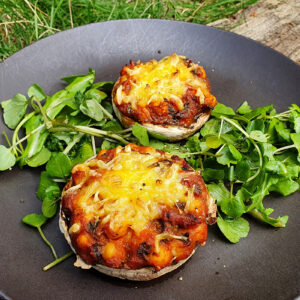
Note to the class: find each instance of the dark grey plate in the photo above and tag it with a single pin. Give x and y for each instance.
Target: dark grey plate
(265, 265)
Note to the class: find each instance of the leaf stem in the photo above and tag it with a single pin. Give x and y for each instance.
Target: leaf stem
(27, 136)
(260, 162)
(106, 112)
(284, 148)
(236, 126)
(15, 134)
(221, 128)
(90, 131)
(57, 261)
(20, 146)
(124, 131)
(75, 141)
(285, 114)
(110, 140)
(231, 189)
(59, 180)
(47, 242)
(259, 216)
(220, 149)
(202, 153)
(6, 138)
(48, 123)
(100, 133)
(254, 144)
(33, 105)
(201, 164)
(93, 145)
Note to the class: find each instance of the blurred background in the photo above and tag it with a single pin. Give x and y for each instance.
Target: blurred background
(275, 23)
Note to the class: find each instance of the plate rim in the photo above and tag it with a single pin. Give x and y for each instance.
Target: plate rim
(229, 33)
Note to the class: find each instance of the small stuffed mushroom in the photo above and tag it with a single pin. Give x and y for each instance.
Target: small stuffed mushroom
(135, 212)
(171, 98)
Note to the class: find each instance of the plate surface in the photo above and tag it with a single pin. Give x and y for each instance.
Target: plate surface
(265, 265)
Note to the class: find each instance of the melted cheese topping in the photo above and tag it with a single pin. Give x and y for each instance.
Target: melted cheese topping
(156, 81)
(131, 188)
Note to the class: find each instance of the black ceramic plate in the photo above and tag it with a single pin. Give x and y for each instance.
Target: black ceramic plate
(265, 265)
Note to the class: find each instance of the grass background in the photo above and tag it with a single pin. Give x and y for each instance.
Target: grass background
(25, 21)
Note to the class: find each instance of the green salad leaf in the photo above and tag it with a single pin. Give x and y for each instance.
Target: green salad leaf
(34, 220)
(59, 165)
(7, 158)
(14, 110)
(141, 134)
(38, 133)
(233, 229)
(244, 108)
(46, 181)
(39, 158)
(36, 91)
(221, 109)
(50, 201)
(92, 108)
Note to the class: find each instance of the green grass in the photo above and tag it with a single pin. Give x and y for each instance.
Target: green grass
(25, 21)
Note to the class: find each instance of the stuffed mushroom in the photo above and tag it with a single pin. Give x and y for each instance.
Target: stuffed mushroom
(135, 212)
(170, 97)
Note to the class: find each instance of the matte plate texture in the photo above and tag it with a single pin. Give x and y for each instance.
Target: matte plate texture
(265, 265)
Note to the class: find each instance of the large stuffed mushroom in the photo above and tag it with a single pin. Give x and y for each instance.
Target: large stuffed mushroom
(135, 212)
(171, 98)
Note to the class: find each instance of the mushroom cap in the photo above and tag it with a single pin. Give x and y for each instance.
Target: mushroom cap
(168, 132)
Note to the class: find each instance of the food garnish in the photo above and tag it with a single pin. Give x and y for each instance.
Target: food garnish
(242, 155)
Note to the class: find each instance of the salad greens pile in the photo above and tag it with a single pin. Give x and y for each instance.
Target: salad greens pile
(243, 155)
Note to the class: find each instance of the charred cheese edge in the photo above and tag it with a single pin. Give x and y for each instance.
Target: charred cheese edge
(123, 196)
(170, 97)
